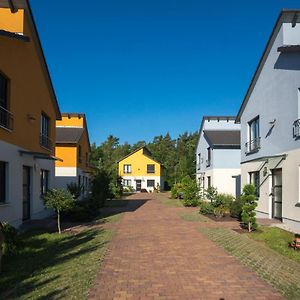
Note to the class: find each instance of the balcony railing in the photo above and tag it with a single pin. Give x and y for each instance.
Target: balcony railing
(252, 146)
(208, 163)
(6, 118)
(296, 129)
(46, 142)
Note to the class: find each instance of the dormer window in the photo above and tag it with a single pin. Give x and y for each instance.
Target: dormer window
(253, 144)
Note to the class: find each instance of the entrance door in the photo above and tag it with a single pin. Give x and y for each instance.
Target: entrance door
(277, 193)
(138, 185)
(26, 193)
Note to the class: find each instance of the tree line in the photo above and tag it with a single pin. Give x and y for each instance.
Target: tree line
(177, 155)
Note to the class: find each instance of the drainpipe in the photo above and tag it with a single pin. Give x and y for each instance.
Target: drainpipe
(12, 7)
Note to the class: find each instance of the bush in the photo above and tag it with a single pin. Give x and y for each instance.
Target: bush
(75, 189)
(176, 190)
(10, 239)
(79, 214)
(211, 193)
(206, 208)
(190, 191)
(128, 189)
(224, 200)
(221, 211)
(100, 188)
(250, 203)
(236, 208)
(190, 202)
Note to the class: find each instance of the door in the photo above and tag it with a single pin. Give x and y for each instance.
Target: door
(138, 185)
(277, 194)
(26, 193)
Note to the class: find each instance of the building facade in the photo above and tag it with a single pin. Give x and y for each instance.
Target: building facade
(218, 155)
(28, 111)
(73, 148)
(141, 172)
(269, 118)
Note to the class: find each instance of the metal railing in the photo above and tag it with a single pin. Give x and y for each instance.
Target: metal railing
(6, 118)
(252, 146)
(46, 142)
(296, 129)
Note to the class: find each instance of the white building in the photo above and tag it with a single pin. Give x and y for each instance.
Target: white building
(218, 155)
(269, 117)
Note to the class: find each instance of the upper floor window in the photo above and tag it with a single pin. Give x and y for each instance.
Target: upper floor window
(5, 115)
(253, 143)
(208, 161)
(199, 161)
(150, 169)
(127, 169)
(254, 179)
(44, 181)
(3, 181)
(296, 124)
(45, 132)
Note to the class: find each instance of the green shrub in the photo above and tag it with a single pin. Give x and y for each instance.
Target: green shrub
(10, 239)
(223, 200)
(80, 214)
(221, 211)
(236, 208)
(190, 202)
(100, 188)
(206, 208)
(176, 190)
(190, 191)
(75, 189)
(211, 193)
(250, 203)
(128, 189)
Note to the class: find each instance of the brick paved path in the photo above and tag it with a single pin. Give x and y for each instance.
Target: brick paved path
(157, 255)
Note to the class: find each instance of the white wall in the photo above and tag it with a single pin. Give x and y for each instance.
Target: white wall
(12, 211)
(158, 180)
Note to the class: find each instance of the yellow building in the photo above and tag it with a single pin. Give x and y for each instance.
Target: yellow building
(73, 147)
(140, 171)
(28, 111)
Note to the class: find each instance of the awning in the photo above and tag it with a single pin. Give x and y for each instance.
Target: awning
(39, 155)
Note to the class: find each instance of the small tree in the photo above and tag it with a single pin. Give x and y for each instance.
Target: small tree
(250, 203)
(59, 200)
(211, 193)
(1, 244)
(190, 191)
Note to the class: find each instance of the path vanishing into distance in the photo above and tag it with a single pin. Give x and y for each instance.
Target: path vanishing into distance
(156, 254)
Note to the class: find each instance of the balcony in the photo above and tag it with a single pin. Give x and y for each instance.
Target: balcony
(208, 163)
(6, 119)
(252, 146)
(296, 129)
(46, 142)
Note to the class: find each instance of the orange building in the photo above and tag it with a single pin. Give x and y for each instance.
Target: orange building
(73, 147)
(28, 112)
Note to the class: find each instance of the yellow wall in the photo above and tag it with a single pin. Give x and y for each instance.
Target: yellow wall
(138, 163)
(28, 92)
(69, 155)
(72, 121)
(11, 22)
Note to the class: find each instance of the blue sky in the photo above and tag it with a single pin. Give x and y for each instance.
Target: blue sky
(144, 68)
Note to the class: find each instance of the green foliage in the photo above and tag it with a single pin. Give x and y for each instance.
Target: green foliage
(190, 191)
(59, 200)
(176, 190)
(10, 239)
(236, 208)
(75, 189)
(101, 187)
(224, 200)
(211, 193)
(206, 208)
(250, 203)
(221, 211)
(128, 189)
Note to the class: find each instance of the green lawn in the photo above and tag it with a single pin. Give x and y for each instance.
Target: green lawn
(53, 266)
(171, 202)
(193, 217)
(278, 240)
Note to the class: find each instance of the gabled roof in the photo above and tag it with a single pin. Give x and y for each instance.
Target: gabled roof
(14, 5)
(225, 139)
(68, 135)
(146, 152)
(285, 16)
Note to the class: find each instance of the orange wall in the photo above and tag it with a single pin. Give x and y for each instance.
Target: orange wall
(11, 22)
(72, 122)
(28, 92)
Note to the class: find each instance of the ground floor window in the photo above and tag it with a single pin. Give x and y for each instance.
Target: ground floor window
(127, 182)
(208, 181)
(3, 181)
(44, 181)
(254, 179)
(150, 183)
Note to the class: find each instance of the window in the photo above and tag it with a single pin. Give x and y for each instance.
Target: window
(150, 169)
(254, 179)
(79, 154)
(127, 182)
(150, 183)
(253, 143)
(45, 130)
(127, 169)
(3, 181)
(44, 182)
(5, 115)
(199, 161)
(208, 161)
(208, 181)
(79, 181)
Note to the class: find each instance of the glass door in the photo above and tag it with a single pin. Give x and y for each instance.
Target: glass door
(26, 193)
(277, 193)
